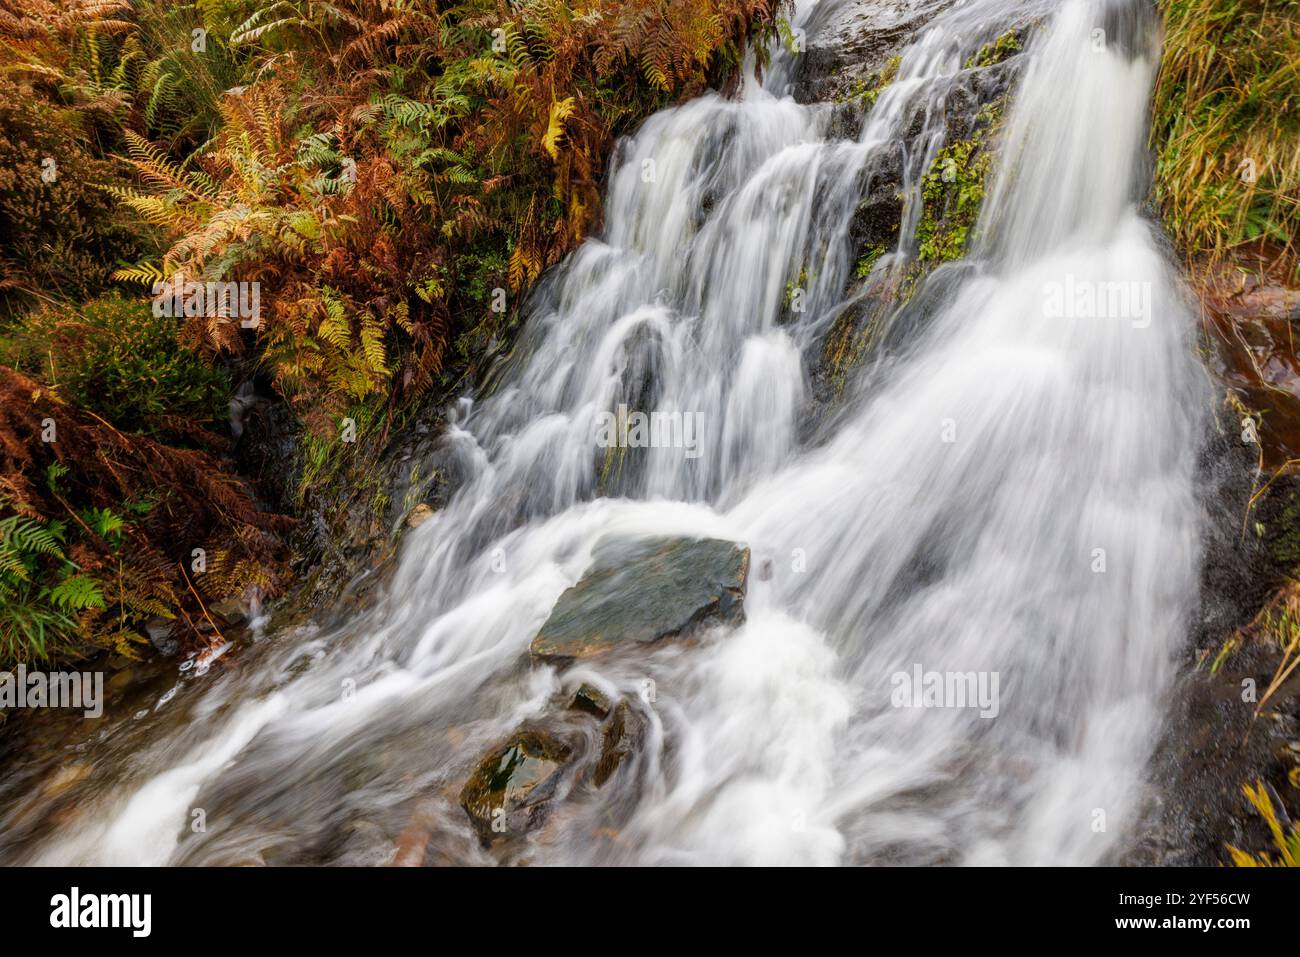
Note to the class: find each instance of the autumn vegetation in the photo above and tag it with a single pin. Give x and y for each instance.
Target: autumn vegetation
(393, 176)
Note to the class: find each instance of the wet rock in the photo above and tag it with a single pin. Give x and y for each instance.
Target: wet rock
(1251, 304)
(160, 631)
(1213, 745)
(851, 59)
(592, 701)
(412, 844)
(243, 405)
(231, 609)
(65, 778)
(1212, 742)
(419, 515)
(849, 41)
(643, 592)
(511, 789)
(878, 215)
(267, 452)
(364, 844)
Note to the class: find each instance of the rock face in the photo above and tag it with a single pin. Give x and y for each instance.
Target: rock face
(645, 591)
(1212, 743)
(512, 787)
(852, 57)
(849, 40)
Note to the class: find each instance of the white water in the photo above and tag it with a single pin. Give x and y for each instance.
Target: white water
(776, 742)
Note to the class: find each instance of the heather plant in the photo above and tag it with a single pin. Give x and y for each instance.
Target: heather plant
(59, 233)
(117, 356)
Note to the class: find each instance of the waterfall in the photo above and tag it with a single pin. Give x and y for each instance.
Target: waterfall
(1007, 492)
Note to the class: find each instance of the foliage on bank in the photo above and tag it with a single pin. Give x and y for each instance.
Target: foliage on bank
(391, 175)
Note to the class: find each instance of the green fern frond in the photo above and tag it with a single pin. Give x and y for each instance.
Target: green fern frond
(77, 593)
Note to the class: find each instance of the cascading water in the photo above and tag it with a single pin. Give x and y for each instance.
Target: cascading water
(1009, 492)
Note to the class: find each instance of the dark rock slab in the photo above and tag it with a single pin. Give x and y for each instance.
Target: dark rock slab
(644, 591)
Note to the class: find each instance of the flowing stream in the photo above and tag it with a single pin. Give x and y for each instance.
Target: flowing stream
(1005, 488)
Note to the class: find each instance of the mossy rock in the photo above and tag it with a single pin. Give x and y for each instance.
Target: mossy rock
(952, 190)
(995, 51)
(1282, 532)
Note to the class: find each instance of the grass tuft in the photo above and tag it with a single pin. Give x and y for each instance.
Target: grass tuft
(1226, 124)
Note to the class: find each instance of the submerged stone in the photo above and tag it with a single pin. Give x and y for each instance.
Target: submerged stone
(509, 791)
(644, 591)
(622, 737)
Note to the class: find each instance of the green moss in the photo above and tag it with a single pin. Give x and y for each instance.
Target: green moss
(869, 260)
(846, 343)
(867, 89)
(481, 271)
(1284, 542)
(952, 191)
(996, 51)
(60, 237)
(798, 284)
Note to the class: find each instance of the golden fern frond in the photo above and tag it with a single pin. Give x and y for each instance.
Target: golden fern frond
(146, 274)
(334, 328)
(518, 271)
(155, 168)
(372, 346)
(561, 110)
(401, 316)
(657, 60)
(154, 210)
